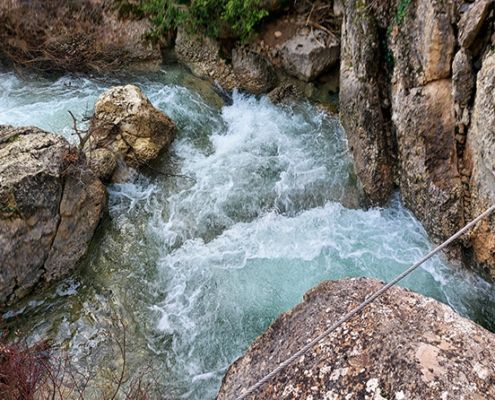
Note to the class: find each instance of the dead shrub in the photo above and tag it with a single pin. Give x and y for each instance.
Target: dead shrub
(57, 36)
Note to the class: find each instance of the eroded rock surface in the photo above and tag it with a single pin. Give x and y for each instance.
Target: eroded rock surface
(253, 72)
(403, 346)
(481, 157)
(414, 65)
(50, 206)
(364, 107)
(126, 127)
(202, 56)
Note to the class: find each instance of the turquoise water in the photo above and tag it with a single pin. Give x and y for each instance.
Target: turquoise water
(253, 205)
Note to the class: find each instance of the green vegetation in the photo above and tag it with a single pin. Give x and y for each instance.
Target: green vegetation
(210, 16)
(401, 12)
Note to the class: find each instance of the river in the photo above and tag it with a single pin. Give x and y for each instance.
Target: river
(253, 205)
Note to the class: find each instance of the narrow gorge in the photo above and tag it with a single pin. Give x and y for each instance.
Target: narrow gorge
(185, 212)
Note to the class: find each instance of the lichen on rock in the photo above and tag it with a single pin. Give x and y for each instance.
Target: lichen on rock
(126, 127)
(402, 346)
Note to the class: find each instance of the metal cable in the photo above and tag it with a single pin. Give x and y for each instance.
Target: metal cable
(360, 307)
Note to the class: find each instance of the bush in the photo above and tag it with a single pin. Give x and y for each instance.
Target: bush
(210, 16)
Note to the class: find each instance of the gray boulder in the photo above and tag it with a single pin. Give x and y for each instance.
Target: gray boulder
(310, 52)
(50, 206)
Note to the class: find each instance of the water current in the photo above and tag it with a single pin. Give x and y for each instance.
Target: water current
(253, 205)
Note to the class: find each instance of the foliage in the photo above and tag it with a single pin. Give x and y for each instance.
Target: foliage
(401, 12)
(210, 16)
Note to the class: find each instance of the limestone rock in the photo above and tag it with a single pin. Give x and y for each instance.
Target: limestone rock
(423, 44)
(50, 206)
(201, 55)
(364, 107)
(402, 346)
(253, 72)
(429, 179)
(310, 52)
(126, 126)
(481, 155)
(463, 79)
(472, 21)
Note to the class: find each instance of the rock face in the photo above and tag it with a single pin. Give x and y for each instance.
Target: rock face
(413, 113)
(364, 107)
(50, 206)
(126, 127)
(480, 155)
(403, 346)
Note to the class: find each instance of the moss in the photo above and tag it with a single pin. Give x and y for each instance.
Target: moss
(13, 139)
(401, 12)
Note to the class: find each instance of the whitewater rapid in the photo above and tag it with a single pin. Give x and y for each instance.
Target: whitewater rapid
(253, 205)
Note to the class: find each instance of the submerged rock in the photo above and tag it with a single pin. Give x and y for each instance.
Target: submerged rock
(50, 205)
(126, 127)
(402, 346)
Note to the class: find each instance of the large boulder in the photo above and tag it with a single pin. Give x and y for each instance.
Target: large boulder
(126, 127)
(402, 346)
(310, 52)
(50, 206)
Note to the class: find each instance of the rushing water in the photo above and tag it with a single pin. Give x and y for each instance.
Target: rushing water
(253, 205)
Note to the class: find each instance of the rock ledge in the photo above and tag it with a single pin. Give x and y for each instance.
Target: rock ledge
(403, 346)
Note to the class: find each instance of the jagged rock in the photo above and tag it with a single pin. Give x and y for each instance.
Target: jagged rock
(201, 55)
(50, 205)
(286, 93)
(423, 44)
(363, 105)
(472, 21)
(126, 126)
(253, 71)
(310, 52)
(429, 179)
(402, 346)
(463, 79)
(481, 156)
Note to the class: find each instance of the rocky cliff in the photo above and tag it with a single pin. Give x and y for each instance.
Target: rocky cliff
(416, 100)
(430, 352)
